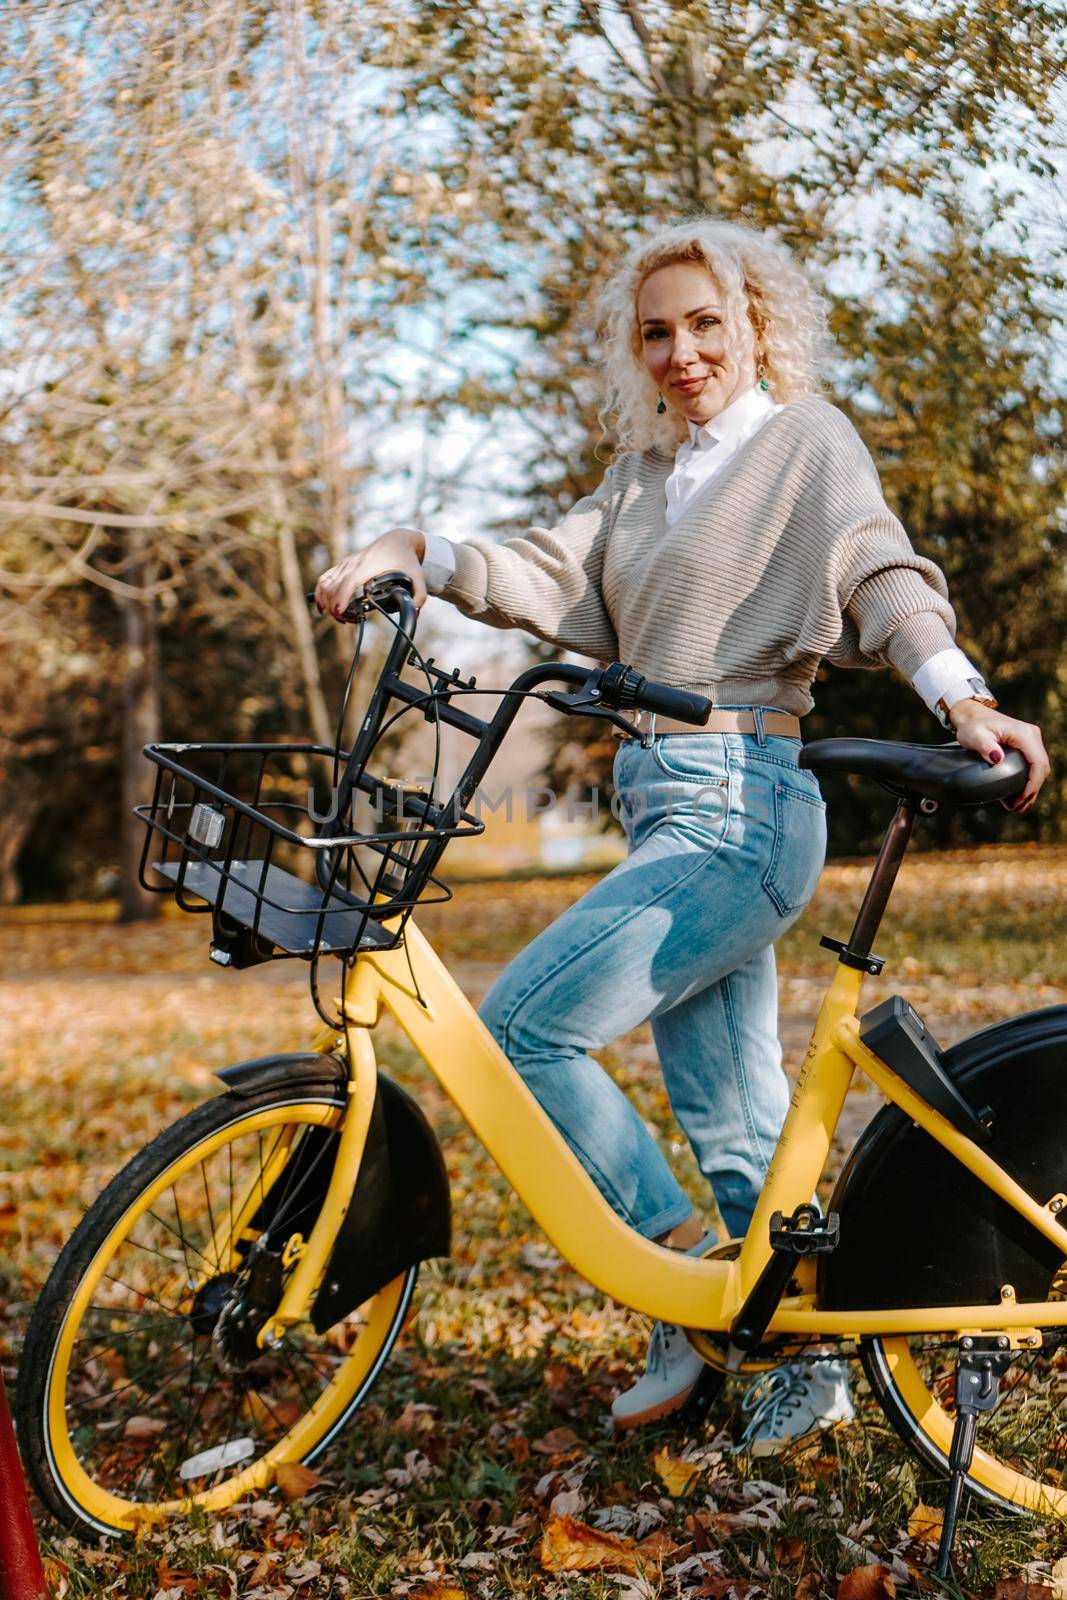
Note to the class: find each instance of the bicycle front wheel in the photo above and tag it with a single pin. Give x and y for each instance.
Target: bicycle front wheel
(140, 1395)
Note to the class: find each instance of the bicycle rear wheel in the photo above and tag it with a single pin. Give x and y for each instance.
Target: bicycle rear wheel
(1022, 1455)
(139, 1396)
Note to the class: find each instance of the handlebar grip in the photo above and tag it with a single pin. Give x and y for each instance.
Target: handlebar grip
(667, 702)
(388, 589)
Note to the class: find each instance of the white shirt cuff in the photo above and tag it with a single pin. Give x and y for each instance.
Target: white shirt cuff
(438, 562)
(945, 675)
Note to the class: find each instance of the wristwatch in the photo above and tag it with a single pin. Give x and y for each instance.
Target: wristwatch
(969, 689)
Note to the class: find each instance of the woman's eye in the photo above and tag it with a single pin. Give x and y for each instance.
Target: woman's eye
(713, 320)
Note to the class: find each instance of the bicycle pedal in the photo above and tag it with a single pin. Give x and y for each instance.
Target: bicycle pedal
(705, 1391)
(806, 1233)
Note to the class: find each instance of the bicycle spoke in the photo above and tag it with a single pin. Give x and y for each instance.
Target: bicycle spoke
(296, 1350)
(210, 1212)
(181, 1235)
(197, 1409)
(284, 1353)
(146, 1391)
(132, 1383)
(145, 1294)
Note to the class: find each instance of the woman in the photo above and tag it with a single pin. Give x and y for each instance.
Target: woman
(738, 539)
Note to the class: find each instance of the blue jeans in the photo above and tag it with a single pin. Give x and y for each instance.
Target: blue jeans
(727, 837)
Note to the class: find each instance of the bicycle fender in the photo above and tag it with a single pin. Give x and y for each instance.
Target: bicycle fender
(400, 1212)
(268, 1072)
(918, 1229)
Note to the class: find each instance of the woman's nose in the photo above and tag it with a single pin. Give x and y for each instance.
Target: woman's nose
(684, 348)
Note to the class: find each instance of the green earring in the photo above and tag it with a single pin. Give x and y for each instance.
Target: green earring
(764, 384)
(661, 408)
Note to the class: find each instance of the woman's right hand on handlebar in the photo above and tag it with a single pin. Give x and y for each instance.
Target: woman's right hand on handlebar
(399, 550)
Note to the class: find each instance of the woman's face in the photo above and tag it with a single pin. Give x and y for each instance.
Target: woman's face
(681, 318)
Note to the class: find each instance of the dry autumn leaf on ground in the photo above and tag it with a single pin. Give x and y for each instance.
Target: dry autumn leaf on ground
(676, 1475)
(925, 1524)
(503, 1376)
(1023, 1589)
(867, 1583)
(568, 1545)
(294, 1480)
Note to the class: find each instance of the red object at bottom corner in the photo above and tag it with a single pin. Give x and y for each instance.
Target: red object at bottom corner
(21, 1573)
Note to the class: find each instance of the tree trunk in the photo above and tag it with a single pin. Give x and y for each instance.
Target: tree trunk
(140, 726)
(14, 831)
(303, 635)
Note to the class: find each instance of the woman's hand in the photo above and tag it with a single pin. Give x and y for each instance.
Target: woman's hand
(399, 550)
(985, 730)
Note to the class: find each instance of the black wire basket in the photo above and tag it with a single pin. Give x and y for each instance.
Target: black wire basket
(294, 852)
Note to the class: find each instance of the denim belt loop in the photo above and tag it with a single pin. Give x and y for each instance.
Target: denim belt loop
(650, 731)
(760, 731)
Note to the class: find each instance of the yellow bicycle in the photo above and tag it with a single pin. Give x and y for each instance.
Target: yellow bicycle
(228, 1301)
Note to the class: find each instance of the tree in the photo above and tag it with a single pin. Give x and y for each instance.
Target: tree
(197, 306)
(854, 134)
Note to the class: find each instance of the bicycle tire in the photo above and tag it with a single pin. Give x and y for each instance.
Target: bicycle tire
(969, 1244)
(76, 1490)
(914, 1409)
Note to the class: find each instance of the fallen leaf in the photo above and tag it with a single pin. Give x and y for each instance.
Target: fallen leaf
(808, 1587)
(568, 1503)
(658, 1547)
(55, 1574)
(925, 1524)
(716, 1588)
(303, 1571)
(789, 1552)
(571, 1546)
(675, 1474)
(175, 1583)
(697, 1528)
(1059, 1578)
(1022, 1589)
(295, 1480)
(867, 1583)
(439, 1589)
(557, 1442)
(284, 1411)
(708, 1528)
(144, 1428)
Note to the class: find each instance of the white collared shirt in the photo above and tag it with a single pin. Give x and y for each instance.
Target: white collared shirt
(709, 447)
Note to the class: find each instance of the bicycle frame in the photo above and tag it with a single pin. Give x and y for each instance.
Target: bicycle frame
(703, 1295)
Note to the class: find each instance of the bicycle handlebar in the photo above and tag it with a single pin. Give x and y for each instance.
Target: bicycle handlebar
(615, 687)
(668, 702)
(390, 591)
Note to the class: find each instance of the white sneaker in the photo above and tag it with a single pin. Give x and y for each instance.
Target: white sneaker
(796, 1399)
(672, 1368)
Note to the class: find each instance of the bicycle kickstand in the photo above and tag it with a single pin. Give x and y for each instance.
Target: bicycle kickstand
(979, 1366)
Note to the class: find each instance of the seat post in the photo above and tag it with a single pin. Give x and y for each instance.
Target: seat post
(880, 887)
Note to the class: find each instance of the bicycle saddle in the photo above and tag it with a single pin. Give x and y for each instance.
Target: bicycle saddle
(933, 771)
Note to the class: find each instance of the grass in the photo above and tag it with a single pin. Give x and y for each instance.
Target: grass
(452, 1469)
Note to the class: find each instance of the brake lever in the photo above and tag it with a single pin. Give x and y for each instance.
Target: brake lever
(354, 611)
(583, 703)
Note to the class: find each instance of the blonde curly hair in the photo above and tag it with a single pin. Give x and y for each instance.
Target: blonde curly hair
(770, 312)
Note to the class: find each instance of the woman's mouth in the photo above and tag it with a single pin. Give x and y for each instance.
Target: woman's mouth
(687, 385)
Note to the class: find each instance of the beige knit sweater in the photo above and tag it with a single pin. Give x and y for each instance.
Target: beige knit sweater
(789, 557)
